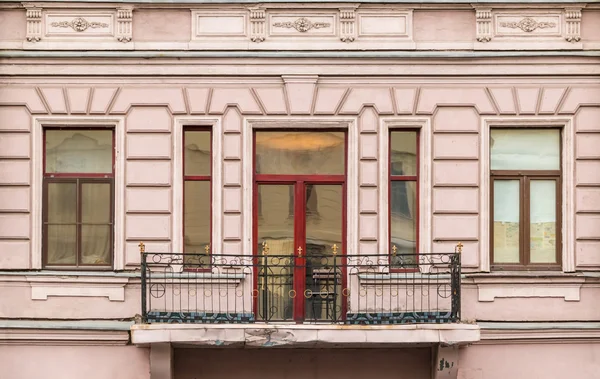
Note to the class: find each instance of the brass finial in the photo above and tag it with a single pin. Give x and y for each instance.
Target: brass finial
(207, 248)
(265, 248)
(142, 248)
(394, 250)
(459, 247)
(334, 248)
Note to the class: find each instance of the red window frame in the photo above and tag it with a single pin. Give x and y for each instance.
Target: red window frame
(404, 178)
(79, 179)
(299, 181)
(198, 178)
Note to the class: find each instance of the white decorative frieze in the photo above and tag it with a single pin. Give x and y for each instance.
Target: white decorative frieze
(302, 25)
(484, 24)
(79, 24)
(277, 27)
(257, 24)
(528, 24)
(34, 24)
(347, 24)
(124, 24)
(97, 28)
(74, 25)
(286, 24)
(528, 29)
(546, 25)
(573, 24)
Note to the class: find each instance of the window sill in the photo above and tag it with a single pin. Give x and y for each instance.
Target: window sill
(527, 284)
(46, 284)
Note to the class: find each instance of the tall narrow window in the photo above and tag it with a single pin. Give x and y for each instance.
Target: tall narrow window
(526, 198)
(404, 184)
(197, 163)
(78, 198)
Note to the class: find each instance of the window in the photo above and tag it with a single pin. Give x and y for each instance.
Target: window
(197, 211)
(78, 182)
(404, 186)
(525, 198)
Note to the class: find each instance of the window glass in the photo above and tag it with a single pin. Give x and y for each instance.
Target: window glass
(542, 218)
(197, 214)
(309, 153)
(62, 203)
(403, 223)
(525, 149)
(197, 153)
(506, 221)
(403, 153)
(79, 151)
(61, 243)
(95, 203)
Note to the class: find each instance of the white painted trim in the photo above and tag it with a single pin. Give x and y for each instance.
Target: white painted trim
(425, 182)
(38, 122)
(62, 337)
(568, 181)
(177, 175)
(346, 123)
(42, 287)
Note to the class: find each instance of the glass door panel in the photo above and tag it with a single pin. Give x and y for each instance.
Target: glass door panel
(275, 239)
(323, 223)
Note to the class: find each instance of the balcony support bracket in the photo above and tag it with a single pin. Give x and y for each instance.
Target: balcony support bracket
(445, 365)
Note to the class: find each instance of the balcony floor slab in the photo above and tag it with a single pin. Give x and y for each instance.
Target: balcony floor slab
(303, 335)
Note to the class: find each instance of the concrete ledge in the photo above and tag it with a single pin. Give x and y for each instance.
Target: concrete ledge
(303, 335)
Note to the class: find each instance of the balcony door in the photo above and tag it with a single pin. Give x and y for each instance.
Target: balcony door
(299, 225)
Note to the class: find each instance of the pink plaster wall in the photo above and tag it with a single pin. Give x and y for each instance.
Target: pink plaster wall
(162, 25)
(17, 303)
(454, 112)
(74, 362)
(413, 363)
(447, 25)
(14, 24)
(526, 361)
(590, 25)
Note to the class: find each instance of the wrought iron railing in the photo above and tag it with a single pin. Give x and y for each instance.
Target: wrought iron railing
(349, 289)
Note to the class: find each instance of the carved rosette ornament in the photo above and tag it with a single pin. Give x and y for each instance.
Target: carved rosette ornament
(79, 24)
(302, 25)
(528, 25)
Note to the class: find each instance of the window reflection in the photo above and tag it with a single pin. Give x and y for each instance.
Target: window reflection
(293, 153)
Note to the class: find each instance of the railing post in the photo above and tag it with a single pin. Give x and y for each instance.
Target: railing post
(456, 282)
(143, 280)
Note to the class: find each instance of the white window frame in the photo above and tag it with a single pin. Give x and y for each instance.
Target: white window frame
(347, 124)
(568, 181)
(425, 183)
(37, 158)
(214, 123)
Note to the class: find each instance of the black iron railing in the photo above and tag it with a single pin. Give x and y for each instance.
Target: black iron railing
(350, 289)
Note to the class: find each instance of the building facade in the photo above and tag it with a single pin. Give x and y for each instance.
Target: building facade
(300, 189)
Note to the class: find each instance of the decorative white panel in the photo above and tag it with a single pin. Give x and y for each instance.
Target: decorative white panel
(211, 23)
(328, 27)
(303, 24)
(382, 25)
(526, 29)
(58, 28)
(79, 24)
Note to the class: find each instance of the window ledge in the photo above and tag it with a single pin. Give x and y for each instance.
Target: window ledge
(527, 285)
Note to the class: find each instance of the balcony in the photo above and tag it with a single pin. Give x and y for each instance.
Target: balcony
(330, 289)
(315, 300)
